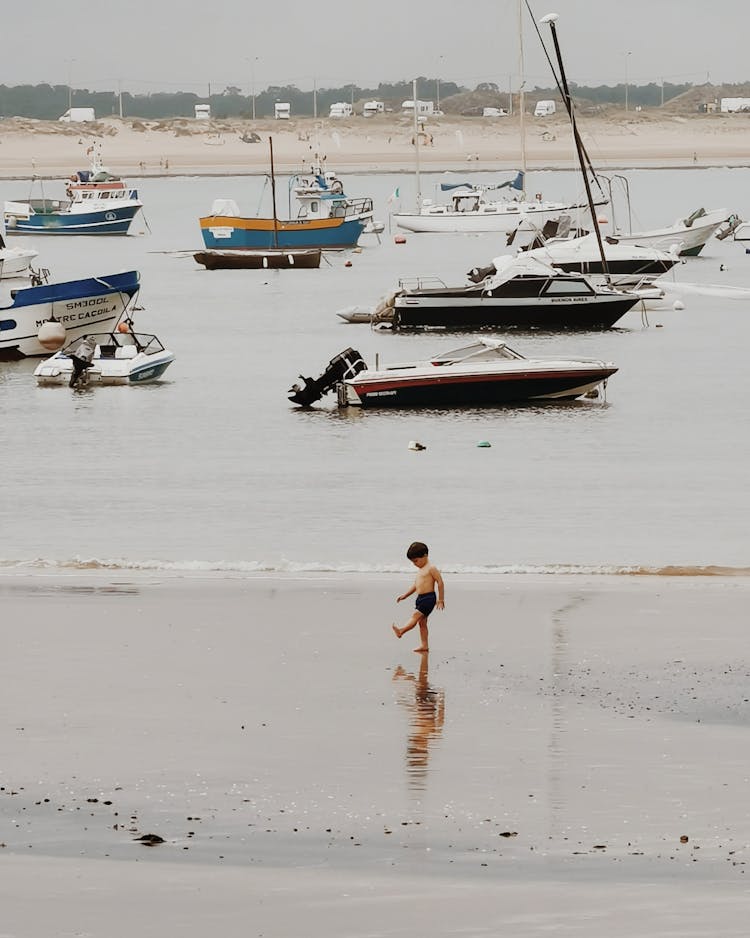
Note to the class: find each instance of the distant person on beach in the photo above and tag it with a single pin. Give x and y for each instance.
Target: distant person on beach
(428, 580)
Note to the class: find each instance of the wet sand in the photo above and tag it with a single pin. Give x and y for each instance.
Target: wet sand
(383, 144)
(571, 757)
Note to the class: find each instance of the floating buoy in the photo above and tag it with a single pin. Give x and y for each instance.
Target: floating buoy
(602, 220)
(484, 444)
(11, 221)
(416, 445)
(123, 327)
(51, 335)
(348, 264)
(400, 239)
(678, 304)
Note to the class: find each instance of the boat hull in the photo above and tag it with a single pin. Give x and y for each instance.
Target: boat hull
(325, 233)
(81, 306)
(112, 221)
(449, 391)
(255, 259)
(457, 312)
(505, 220)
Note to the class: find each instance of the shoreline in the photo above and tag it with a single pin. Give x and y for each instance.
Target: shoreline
(560, 747)
(155, 149)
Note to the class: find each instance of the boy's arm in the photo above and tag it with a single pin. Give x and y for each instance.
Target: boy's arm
(407, 594)
(440, 587)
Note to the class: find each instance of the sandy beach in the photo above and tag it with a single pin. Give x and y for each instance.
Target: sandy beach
(174, 147)
(569, 758)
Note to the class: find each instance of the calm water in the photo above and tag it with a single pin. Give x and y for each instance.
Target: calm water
(214, 468)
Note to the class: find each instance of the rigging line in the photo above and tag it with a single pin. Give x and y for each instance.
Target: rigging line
(568, 105)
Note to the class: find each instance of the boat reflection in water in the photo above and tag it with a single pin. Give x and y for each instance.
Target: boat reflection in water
(427, 712)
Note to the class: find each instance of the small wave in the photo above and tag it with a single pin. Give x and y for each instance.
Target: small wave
(249, 567)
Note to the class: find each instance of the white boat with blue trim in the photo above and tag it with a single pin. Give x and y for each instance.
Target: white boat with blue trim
(122, 356)
(96, 203)
(45, 316)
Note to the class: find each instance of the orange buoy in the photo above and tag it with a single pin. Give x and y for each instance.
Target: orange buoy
(348, 264)
(123, 327)
(400, 239)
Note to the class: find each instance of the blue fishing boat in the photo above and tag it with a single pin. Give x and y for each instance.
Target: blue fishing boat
(96, 203)
(43, 317)
(327, 219)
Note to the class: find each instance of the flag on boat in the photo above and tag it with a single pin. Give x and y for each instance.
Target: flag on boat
(394, 195)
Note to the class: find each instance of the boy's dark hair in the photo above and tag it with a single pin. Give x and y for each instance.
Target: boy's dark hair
(417, 549)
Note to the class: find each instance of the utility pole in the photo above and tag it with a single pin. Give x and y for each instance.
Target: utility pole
(119, 95)
(627, 56)
(315, 97)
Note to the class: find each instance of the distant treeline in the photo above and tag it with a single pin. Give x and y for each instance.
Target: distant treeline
(49, 102)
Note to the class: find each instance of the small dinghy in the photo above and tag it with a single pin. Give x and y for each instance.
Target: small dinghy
(260, 259)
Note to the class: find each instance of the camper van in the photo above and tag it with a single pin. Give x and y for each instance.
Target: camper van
(734, 105)
(78, 115)
(424, 108)
(544, 108)
(282, 111)
(373, 108)
(340, 109)
(203, 112)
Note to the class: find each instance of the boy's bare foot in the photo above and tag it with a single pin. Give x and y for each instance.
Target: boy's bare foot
(396, 631)
(423, 649)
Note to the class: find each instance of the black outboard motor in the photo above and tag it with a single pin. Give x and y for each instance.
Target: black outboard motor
(344, 365)
(478, 274)
(82, 358)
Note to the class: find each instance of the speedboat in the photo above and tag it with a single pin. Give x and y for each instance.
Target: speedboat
(486, 372)
(519, 292)
(687, 235)
(96, 203)
(44, 316)
(122, 356)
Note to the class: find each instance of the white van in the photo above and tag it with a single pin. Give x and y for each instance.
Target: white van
(544, 108)
(341, 109)
(282, 111)
(372, 108)
(203, 112)
(78, 115)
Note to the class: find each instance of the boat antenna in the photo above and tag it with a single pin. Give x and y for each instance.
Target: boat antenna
(273, 198)
(551, 18)
(416, 146)
(566, 101)
(521, 107)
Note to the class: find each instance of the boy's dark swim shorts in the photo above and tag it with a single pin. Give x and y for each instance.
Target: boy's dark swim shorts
(426, 603)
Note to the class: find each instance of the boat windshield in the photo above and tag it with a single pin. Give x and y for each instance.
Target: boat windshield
(477, 351)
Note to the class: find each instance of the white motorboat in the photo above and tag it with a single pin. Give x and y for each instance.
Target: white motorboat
(687, 236)
(485, 373)
(627, 262)
(742, 232)
(122, 356)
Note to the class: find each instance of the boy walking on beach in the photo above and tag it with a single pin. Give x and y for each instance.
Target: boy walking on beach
(428, 579)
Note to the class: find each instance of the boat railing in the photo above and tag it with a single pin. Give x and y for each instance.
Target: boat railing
(350, 207)
(429, 282)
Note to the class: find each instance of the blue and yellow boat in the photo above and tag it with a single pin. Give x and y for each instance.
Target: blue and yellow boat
(327, 219)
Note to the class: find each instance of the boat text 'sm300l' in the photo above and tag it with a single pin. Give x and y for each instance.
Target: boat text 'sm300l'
(42, 318)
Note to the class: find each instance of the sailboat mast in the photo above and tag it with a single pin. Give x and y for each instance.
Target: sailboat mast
(550, 18)
(416, 147)
(522, 82)
(273, 198)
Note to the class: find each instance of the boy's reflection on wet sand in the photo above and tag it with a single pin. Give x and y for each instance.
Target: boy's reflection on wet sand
(427, 707)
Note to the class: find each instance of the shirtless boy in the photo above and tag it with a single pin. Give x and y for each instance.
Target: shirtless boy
(428, 579)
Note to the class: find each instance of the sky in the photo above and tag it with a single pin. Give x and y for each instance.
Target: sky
(146, 46)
